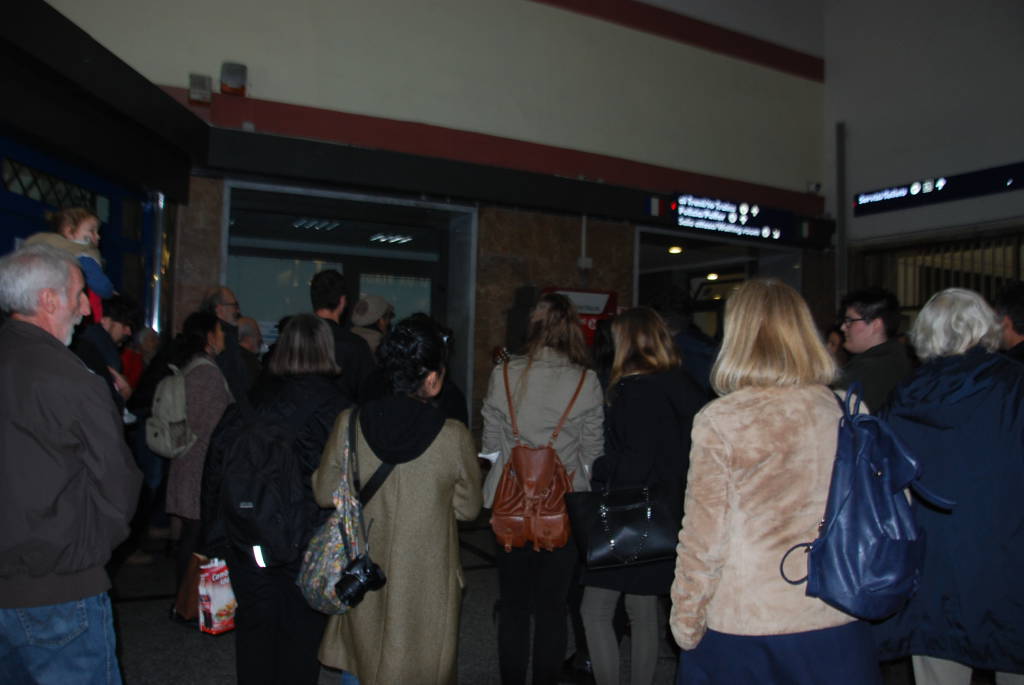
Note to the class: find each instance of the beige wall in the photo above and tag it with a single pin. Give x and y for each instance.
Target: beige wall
(522, 70)
(519, 248)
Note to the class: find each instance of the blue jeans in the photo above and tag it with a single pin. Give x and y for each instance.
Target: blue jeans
(71, 642)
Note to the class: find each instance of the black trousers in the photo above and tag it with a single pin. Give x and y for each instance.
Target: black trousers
(533, 585)
(277, 635)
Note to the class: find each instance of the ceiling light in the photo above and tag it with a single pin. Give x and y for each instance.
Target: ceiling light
(390, 238)
(675, 249)
(712, 277)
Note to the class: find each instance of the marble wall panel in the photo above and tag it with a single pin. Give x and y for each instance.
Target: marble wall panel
(518, 248)
(196, 257)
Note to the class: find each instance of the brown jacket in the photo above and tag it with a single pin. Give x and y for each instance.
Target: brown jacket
(68, 483)
(206, 397)
(540, 397)
(759, 474)
(407, 631)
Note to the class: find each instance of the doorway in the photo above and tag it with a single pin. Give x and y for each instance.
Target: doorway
(420, 256)
(681, 273)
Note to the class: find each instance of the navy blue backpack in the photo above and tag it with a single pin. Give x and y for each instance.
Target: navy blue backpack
(868, 555)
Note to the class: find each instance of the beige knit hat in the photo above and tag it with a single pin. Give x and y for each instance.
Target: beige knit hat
(369, 309)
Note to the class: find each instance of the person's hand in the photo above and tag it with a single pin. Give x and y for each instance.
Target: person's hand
(121, 384)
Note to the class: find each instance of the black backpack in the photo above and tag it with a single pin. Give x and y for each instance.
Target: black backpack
(262, 502)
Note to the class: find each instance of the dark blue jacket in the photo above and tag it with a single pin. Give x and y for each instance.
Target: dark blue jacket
(962, 417)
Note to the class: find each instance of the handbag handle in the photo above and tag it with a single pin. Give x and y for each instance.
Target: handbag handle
(561, 421)
(602, 511)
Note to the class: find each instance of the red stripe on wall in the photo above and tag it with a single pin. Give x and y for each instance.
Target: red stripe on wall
(437, 141)
(644, 17)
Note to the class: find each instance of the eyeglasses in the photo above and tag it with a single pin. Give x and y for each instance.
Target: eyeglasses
(228, 304)
(846, 320)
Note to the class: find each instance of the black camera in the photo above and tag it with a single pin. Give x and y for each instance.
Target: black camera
(361, 576)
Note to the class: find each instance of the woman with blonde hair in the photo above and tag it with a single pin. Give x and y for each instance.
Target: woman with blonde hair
(652, 402)
(759, 476)
(535, 584)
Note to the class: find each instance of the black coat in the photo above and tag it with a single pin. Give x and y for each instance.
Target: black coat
(647, 441)
(354, 357)
(961, 416)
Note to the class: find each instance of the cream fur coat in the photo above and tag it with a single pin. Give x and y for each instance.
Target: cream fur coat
(759, 475)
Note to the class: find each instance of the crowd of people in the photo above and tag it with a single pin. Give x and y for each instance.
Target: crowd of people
(741, 433)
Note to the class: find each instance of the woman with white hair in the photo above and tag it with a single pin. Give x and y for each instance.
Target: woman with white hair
(960, 413)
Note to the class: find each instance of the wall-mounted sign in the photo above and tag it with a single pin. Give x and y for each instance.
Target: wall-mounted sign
(727, 218)
(926, 191)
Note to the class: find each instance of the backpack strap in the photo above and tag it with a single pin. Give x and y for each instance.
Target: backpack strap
(511, 407)
(561, 421)
(565, 414)
(366, 492)
(851, 407)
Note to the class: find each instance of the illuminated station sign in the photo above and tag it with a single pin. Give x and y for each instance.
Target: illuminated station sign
(748, 220)
(720, 216)
(926, 191)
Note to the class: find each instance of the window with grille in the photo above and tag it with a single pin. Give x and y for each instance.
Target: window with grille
(24, 180)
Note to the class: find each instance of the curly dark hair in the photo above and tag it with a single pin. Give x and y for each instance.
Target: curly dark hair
(409, 353)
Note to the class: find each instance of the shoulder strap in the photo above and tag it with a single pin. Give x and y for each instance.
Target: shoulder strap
(194, 362)
(565, 414)
(511, 407)
(366, 492)
(561, 421)
(376, 480)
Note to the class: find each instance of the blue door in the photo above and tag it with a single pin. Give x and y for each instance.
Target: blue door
(33, 183)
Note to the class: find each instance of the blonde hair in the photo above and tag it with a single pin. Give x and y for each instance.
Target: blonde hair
(770, 340)
(953, 321)
(642, 345)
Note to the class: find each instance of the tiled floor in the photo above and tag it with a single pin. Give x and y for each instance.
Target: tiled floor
(157, 651)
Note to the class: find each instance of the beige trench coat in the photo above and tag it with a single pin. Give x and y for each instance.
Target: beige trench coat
(406, 632)
(539, 399)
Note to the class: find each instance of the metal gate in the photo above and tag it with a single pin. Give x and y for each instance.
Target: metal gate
(917, 272)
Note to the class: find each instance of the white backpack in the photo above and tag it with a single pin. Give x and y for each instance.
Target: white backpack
(167, 431)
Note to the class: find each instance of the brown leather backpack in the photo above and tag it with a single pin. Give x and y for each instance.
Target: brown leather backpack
(529, 504)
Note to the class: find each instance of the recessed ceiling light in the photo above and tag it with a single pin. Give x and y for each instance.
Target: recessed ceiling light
(390, 238)
(315, 224)
(712, 277)
(675, 249)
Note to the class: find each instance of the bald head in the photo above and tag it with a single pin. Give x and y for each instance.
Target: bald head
(249, 335)
(221, 302)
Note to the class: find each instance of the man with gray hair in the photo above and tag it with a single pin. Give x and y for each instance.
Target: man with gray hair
(68, 484)
(222, 303)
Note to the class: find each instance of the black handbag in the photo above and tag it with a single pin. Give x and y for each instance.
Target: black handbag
(626, 526)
